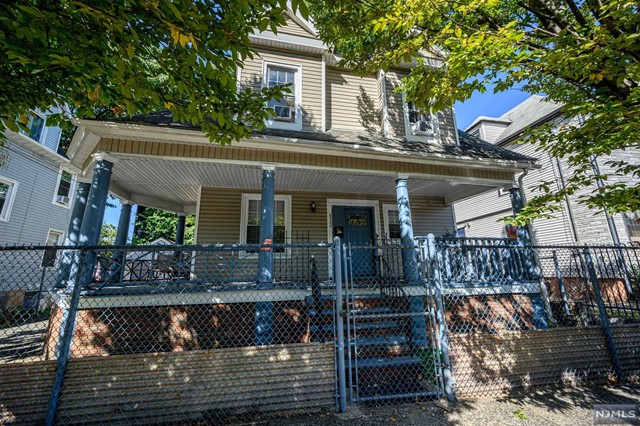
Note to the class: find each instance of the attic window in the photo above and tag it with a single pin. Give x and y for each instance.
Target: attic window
(285, 110)
(419, 124)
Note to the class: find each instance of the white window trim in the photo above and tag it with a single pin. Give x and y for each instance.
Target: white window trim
(60, 242)
(43, 135)
(275, 124)
(419, 138)
(9, 202)
(72, 188)
(385, 211)
(244, 218)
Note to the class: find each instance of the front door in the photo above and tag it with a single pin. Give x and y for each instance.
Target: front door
(355, 226)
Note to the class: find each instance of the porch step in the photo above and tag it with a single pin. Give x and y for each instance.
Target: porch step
(374, 311)
(399, 361)
(383, 325)
(390, 340)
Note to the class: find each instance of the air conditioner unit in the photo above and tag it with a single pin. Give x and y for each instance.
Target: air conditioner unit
(283, 113)
(62, 199)
(422, 127)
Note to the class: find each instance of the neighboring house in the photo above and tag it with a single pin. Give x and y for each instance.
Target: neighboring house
(479, 216)
(36, 193)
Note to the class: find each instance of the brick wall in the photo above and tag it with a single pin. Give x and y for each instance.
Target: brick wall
(128, 330)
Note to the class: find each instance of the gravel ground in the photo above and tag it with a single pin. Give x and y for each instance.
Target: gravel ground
(542, 407)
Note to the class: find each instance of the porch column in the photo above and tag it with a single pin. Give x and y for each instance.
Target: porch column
(123, 224)
(265, 255)
(540, 309)
(264, 309)
(73, 233)
(517, 203)
(410, 261)
(97, 201)
(121, 239)
(180, 228)
(409, 255)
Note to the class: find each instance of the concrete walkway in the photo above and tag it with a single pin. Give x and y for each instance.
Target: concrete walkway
(571, 407)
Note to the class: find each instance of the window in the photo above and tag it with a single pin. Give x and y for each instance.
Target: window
(632, 222)
(420, 125)
(7, 195)
(54, 238)
(35, 127)
(64, 189)
(286, 110)
(252, 215)
(392, 223)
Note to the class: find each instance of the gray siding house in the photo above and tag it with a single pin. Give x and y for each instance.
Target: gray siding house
(36, 184)
(479, 216)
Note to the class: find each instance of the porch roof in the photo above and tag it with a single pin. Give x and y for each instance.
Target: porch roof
(165, 165)
(469, 147)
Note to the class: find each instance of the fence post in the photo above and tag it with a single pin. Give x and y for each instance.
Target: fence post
(67, 327)
(604, 317)
(560, 279)
(433, 265)
(337, 279)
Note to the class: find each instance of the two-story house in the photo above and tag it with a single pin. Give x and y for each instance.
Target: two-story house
(37, 184)
(341, 156)
(337, 149)
(480, 216)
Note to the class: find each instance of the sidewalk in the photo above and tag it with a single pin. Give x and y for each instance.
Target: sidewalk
(570, 407)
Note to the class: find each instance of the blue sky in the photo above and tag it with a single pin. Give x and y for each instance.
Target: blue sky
(489, 104)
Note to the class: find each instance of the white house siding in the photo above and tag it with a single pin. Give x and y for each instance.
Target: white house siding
(479, 214)
(33, 212)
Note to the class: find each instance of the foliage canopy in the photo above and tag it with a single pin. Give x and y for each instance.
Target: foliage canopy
(584, 55)
(118, 57)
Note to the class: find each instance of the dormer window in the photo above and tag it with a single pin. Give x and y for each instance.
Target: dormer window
(420, 125)
(35, 126)
(286, 112)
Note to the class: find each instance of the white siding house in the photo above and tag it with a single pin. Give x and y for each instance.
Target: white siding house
(480, 216)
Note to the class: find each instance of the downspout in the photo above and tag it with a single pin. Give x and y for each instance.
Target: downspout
(572, 222)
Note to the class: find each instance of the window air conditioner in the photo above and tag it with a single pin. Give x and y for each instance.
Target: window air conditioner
(422, 127)
(62, 199)
(283, 113)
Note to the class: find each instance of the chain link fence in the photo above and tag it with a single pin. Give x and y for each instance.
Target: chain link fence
(168, 334)
(520, 316)
(218, 334)
(392, 350)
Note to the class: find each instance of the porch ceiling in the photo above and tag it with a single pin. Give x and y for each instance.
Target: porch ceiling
(174, 185)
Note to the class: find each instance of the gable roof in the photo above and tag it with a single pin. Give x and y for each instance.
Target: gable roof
(533, 111)
(470, 146)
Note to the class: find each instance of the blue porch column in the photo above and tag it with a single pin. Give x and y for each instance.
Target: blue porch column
(264, 309)
(73, 233)
(517, 203)
(123, 224)
(539, 311)
(180, 228)
(121, 239)
(97, 201)
(410, 261)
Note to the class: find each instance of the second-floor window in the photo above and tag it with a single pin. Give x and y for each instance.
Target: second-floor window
(64, 189)
(35, 127)
(420, 125)
(285, 110)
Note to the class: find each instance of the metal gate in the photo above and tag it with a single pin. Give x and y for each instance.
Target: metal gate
(391, 344)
